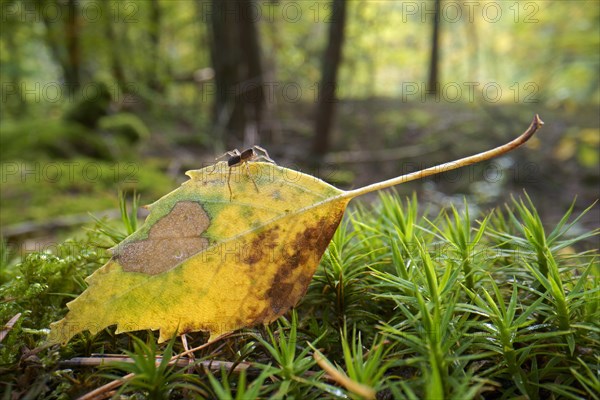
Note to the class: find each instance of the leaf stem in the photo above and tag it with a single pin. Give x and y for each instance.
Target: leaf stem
(486, 155)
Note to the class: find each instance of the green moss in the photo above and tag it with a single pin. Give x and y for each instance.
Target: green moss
(125, 126)
(39, 190)
(39, 287)
(393, 278)
(92, 104)
(50, 139)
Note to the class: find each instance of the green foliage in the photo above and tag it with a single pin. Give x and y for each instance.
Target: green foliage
(463, 240)
(524, 325)
(367, 369)
(5, 260)
(40, 190)
(547, 48)
(56, 139)
(128, 218)
(155, 379)
(337, 293)
(85, 130)
(40, 285)
(505, 329)
(531, 240)
(92, 104)
(222, 389)
(126, 127)
(291, 359)
(34, 140)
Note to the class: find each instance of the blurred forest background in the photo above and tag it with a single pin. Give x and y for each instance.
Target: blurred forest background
(99, 96)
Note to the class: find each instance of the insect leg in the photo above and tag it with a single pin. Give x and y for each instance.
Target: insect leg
(251, 178)
(229, 185)
(264, 156)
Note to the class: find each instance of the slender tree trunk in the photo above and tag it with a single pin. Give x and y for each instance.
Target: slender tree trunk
(114, 50)
(67, 35)
(154, 80)
(326, 99)
(52, 37)
(252, 72)
(223, 54)
(271, 126)
(235, 53)
(15, 105)
(72, 66)
(434, 79)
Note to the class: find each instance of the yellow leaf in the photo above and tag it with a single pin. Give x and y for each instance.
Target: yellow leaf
(203, 262)
(231, 248)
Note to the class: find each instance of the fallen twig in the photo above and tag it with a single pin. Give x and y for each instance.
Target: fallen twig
(94, 394)
(181, 362)
(342, 379)
(8, 326)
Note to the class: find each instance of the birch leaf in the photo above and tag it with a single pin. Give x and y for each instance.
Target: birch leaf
(207, 259)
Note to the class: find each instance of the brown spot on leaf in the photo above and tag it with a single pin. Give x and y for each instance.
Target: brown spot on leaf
(287, 287)
(172, 239)
(280, 295)
(261, 246)
(311, 242)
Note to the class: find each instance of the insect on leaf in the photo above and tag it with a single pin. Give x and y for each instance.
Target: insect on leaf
(214, 260)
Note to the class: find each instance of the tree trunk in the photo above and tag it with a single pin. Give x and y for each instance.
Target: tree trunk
(115, 49)
(154, 78)
(434, 79)
(235, 53)
(72, 66)
(253, 97)
(67, 57)
(326, 98)
(15, 105)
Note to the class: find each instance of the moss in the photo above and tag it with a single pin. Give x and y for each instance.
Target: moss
(393, 278)
(46, 139)
(40, 286)
(93, 103)
(125, 126)
(39, 190)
